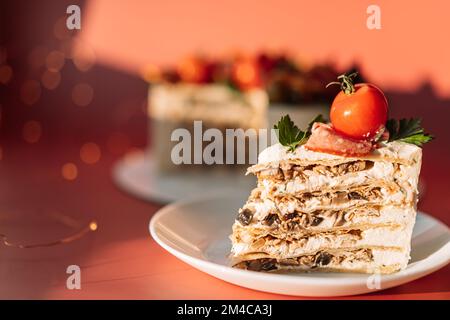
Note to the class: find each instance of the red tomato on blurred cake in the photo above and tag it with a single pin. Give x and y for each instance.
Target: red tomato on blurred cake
(193, 69)
(246, 74)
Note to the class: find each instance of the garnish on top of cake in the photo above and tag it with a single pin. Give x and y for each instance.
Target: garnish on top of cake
(286, 80)
(358, 124)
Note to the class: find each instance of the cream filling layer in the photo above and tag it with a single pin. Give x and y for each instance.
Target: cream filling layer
(406, 176)
(383, 261)
(400, 237)
(384, 215)
(404, 152)
(401, 196)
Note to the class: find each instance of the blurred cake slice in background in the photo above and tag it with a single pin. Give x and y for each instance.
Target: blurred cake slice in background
(231, 93)
(177, 105)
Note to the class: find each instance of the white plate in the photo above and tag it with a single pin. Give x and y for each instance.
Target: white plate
(196, 231)
(137, 175)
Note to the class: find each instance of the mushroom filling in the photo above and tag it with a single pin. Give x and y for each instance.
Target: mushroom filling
(318, 260)
(288, 171)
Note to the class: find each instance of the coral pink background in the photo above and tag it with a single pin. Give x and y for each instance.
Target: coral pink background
(410, 48)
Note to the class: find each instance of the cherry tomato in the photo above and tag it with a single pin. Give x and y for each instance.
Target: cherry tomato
(246, 74)
(360, 114)
(193, 69)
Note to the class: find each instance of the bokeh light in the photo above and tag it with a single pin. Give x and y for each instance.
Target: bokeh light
(6, 73)
(83, 56)
(93, 226)
(32, 131)
(82, 94)
(90, 153)
(30, 92)
(69, 171)
(55, 60)
(50, 79)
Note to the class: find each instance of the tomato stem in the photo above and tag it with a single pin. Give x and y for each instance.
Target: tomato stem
(346, 83)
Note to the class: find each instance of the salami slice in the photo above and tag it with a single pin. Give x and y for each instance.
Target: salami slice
(325, 139)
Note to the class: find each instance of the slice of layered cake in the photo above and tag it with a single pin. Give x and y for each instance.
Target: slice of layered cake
(339, 196)
(317, 211)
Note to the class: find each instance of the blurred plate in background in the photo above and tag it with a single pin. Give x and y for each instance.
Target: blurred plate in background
(136, 174)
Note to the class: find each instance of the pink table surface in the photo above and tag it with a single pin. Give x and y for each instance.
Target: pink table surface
(119, 260)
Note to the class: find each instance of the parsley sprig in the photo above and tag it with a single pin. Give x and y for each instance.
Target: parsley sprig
(407, 130)
(289, 135)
